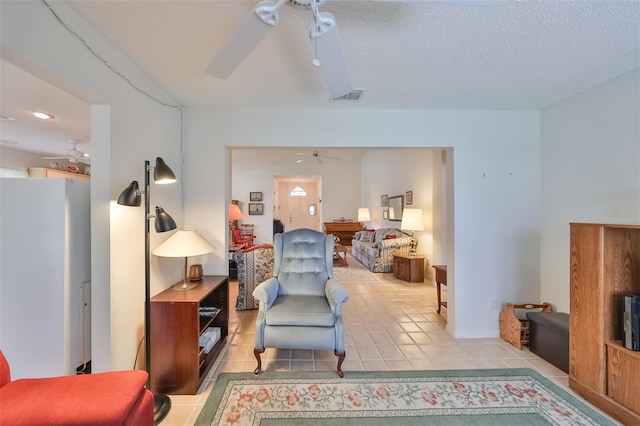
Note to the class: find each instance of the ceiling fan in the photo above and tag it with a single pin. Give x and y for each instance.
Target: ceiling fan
(315, 154)
(322, 30)
(73, 155)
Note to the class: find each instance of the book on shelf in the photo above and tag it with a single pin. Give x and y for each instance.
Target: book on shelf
(209, 338)
(209, 311)
(631, 321)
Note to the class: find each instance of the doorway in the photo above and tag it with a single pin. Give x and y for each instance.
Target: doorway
(297, 202)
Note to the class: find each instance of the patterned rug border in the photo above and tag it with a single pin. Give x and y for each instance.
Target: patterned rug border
(208, 412)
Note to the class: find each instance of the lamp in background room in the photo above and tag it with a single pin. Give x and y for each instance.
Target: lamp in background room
(131, 197)
(235, 213)
(412, 220)
(186, 243)
(363, 216)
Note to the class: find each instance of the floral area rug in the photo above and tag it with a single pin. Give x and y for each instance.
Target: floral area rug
(445, 397)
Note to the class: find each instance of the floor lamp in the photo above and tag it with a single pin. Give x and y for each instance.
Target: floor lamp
(162, 174)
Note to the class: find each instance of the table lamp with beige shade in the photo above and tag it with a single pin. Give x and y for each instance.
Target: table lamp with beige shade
(185, 243)
(363, 216)
(412, 220)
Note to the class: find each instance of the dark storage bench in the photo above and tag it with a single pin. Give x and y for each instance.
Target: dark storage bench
(549, 337)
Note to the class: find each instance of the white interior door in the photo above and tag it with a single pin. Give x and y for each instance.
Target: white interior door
(295, 212)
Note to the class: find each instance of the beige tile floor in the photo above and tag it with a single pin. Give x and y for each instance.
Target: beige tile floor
(390, 325)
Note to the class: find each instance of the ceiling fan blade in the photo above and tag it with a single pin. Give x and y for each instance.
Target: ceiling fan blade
(250, 32)
(328, 48)
(54, 158)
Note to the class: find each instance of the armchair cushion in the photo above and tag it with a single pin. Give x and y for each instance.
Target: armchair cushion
(102, 399)
(301, 311)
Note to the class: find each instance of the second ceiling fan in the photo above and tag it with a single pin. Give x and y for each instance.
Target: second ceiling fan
(323, 33)
(317, 156)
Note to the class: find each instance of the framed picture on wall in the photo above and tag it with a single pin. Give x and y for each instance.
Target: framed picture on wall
(384, 201)
(408, 198)
(256, 208)
(255, 196)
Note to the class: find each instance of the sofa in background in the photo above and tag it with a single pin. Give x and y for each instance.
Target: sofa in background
(255, 264)
(374, 249)
(114, 398)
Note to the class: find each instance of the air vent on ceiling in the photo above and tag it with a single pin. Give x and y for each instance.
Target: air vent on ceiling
(353, 95)
(6, 117)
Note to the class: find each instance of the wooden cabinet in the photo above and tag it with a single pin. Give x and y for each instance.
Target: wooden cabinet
(408, 267)
(342, 230)
(604, 265)
(178, 318)
(42, 172)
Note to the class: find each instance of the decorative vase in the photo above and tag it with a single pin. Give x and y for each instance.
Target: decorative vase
(195, 273)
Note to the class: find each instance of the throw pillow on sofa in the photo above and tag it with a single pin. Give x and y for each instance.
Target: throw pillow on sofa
(367, 237)
(390, 237)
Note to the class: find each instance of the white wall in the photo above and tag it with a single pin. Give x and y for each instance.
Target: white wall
(340, 188)
(127, 128)
(394, 172)
(590, 171)
(496, 187)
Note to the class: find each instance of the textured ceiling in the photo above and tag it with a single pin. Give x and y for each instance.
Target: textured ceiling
(419, 54)
(444, 54)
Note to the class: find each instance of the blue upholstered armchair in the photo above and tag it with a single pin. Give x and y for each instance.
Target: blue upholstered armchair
(301, 306)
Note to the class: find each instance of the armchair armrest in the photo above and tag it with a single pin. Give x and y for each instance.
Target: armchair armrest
(395, 242)
(266, 293)
(336, 293)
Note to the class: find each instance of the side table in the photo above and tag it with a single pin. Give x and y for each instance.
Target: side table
(441, 278)
(340, 255)
(409, 267)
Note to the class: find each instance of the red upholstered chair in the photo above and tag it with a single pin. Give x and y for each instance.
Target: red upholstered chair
(239, 240)
(100, 399)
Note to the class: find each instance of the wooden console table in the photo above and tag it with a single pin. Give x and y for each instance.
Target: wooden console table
(441, 278)
(342, 230)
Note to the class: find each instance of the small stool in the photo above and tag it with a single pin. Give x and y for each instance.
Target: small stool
(549, 337)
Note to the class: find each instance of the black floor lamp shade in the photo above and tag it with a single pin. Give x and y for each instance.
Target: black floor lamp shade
(131, 195)
(164, 222)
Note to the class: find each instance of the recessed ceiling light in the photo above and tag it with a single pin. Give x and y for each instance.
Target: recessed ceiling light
(43, 115)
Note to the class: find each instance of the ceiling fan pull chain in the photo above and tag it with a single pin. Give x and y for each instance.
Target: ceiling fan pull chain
(315, 61)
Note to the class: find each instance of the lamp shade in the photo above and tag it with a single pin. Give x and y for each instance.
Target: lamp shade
(131, 195)
(185, 243)
(235, 213)
(162, 173)
(363, 214)
(164, 222)
(412, 220)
